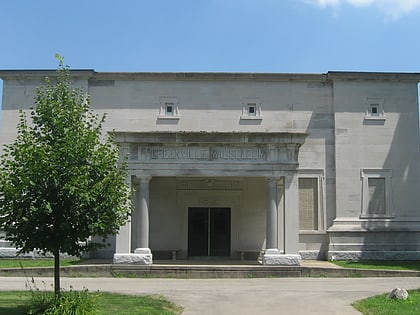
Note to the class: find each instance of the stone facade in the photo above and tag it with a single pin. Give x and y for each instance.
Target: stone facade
(244, 165)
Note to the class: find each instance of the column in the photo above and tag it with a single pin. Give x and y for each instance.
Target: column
(291, 215)
(123, 238)
(272, 255)
(272, 252)
(142, 254)
(272, 218)
(142, 196)
(142, 251)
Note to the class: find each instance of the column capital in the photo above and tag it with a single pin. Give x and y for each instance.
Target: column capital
(142, 178)
(272, 179)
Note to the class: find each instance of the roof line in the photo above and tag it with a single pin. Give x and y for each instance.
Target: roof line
(216, 76)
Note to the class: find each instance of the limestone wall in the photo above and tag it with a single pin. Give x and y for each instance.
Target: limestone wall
(391, 143)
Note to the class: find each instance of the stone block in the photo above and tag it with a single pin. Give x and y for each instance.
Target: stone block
(281, 259)
(142, 251)
(139, 259)
(8, 252)
(399, 294)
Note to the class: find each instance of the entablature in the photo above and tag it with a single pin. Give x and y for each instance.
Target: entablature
(210, 152)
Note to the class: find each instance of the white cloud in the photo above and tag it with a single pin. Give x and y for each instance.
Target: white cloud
(391, 8)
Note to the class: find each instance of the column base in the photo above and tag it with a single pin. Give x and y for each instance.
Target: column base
(275, 257)
(141, 256)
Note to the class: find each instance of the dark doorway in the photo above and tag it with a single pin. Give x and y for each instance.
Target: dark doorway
(208, 231)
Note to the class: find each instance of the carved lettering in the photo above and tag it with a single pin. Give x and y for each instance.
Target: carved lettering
(209, 153)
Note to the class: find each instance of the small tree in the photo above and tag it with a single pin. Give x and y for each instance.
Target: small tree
(60, 181)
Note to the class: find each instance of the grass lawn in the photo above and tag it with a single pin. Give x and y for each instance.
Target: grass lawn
(15, 303)
(380, 264)
(381, 305)
(42, 262)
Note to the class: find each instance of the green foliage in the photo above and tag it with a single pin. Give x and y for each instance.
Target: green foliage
(60, 181)
(30, 263)
(380, 264)
(382, 305)
(16, 303)
(40, 302)
(68, 303)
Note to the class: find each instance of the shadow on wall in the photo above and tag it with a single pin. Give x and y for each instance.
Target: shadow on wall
(384, 155)
(321, 129)
(388, 151)
(385, 237)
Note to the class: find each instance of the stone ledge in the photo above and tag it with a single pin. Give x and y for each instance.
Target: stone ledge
(203, 272)
(313, 255)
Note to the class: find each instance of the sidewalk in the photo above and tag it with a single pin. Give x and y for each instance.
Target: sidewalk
(297, 296)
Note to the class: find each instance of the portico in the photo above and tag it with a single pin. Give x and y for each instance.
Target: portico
(203, 180)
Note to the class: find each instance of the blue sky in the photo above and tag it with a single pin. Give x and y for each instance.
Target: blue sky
(212, 35)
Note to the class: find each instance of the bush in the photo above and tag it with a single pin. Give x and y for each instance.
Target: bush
(67, 303)
(40, 302)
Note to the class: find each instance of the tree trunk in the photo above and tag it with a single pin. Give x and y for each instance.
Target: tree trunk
(57, 273)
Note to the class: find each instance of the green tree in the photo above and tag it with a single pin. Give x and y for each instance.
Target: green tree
(61, 181)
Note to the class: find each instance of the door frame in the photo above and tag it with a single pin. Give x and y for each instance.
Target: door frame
(208, 237)
(209, 199)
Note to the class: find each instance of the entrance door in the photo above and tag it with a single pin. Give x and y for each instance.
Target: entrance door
(208, 231)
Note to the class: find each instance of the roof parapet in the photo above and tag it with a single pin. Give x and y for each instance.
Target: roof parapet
(374, 76)
(39, 73)
(217, 76)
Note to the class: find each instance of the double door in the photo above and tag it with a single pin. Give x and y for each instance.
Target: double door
(209, 231)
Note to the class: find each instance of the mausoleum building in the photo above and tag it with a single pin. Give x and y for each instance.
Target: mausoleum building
(268, 166)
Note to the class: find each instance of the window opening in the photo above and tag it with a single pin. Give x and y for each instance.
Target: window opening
(169, 109)
(377, 203)
(308, 203)
(376, 193)
(252, 110)
(374, 110)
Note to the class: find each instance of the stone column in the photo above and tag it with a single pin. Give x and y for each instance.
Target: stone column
(142, 254)
(291, 215)
(142, 196)
(291, 218)
(272, 217)
(123, 238)
(272, 255)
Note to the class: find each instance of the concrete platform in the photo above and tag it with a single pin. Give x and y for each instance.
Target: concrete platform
(192, 269)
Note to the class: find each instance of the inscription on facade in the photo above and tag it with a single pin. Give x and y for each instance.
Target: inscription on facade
(281, 153)
(209, 184)
(209, 153)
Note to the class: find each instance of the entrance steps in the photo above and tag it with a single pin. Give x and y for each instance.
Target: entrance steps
(205, 270)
